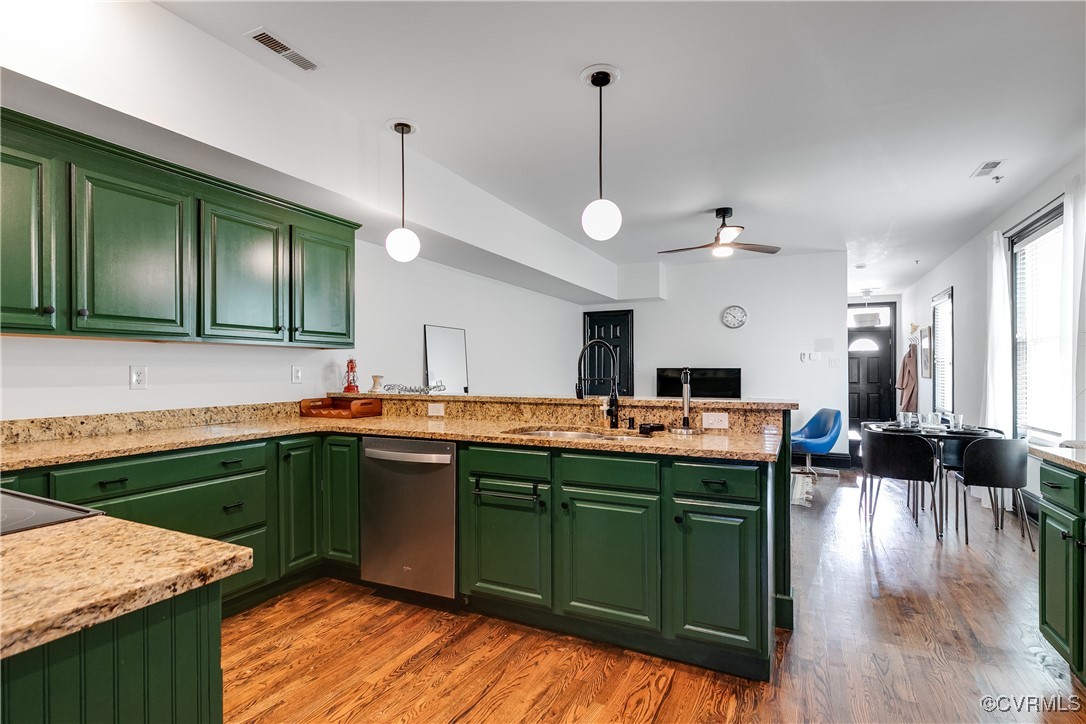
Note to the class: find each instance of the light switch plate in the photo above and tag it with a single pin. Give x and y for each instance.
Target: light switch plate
(436, 409)
(714, 420)
(295, 374)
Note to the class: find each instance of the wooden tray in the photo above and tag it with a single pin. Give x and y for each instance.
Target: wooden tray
(339, 407)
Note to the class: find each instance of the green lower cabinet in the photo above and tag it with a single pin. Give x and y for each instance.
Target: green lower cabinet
(711, 556)
(1060, 581)
(505, 540)
(158, 664)
(607, 551)
(265, 568)
(341, 516)
(299, 504)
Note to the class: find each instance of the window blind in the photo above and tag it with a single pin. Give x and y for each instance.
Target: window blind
(942, 351)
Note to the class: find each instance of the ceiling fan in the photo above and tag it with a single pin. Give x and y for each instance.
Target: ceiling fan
(725, 242)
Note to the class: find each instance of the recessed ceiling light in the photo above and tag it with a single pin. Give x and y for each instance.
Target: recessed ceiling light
(860, 266)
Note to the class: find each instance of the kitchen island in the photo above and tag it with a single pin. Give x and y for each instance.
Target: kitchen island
(693, 553)
(106, 619)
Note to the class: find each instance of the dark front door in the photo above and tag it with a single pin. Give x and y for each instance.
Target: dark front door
(615, 327)
(870, 376)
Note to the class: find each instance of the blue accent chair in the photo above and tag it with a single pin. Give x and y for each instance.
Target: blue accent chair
(818, 436)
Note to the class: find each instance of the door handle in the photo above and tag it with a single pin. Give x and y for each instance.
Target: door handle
(233, 461)
(83, 312)
(233, 506)
(1066, 535)
(408, 457)
(116, 481)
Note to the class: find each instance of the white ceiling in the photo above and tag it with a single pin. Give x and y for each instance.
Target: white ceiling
(850, 125)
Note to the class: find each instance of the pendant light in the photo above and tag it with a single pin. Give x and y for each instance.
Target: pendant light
(601, 219)
(402, 244)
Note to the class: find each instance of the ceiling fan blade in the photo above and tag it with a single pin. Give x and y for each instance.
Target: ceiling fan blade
(760, 248)
(688, 248)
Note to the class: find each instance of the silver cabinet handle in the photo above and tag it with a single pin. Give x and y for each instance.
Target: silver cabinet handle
(408, 457)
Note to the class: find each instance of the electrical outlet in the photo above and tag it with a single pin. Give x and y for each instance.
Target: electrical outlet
(295, 374)
(714, 420)
(436, 409)
(137, 377)
(802, 356)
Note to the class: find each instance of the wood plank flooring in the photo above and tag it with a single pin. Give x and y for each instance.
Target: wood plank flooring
(890, 627)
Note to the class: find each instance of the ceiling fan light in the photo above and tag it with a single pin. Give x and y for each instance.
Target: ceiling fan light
(601, 219)
(727, 234)
(723, 252)
(402, 244)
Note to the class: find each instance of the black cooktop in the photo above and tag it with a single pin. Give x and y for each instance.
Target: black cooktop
(20, 511)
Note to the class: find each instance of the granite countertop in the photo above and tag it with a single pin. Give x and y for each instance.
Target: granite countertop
(1068, 457)
(715, 444)
(63, 578)
(742, 404)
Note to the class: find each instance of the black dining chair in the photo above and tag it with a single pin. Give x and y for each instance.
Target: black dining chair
(996, 464)
(909, 458)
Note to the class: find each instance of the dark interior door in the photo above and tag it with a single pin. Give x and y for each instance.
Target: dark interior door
(870, 376)
(615, 327)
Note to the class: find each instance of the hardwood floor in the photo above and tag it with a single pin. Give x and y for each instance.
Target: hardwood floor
(890, 627)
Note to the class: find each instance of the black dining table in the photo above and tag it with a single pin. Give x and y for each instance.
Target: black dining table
(949, 444)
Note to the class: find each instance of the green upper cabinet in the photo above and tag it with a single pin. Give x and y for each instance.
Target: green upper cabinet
(134, 255)
(299, 504)
(713, 563)
(244, 277)
(29, 229)
(340, 473)
(322, 277)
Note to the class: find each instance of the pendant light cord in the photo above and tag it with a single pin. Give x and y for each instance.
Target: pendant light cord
(403, 185)
(601, 142)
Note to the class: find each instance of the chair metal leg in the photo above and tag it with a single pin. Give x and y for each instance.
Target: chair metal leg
(995, 507)
(1002, 507)
(935, 512)
(874, 504)
(863, 492)
(957, 503)
(1024, 519)
(965, 511)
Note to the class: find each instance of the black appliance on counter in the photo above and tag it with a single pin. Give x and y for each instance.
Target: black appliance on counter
(711, 382)
(20, 511)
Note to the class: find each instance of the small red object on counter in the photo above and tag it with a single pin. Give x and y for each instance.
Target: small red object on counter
(351, 378)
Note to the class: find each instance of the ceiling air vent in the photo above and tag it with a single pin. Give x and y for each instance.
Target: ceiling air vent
(263, 36)
(987, 168)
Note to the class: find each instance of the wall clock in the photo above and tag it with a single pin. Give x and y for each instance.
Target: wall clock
(733, 317)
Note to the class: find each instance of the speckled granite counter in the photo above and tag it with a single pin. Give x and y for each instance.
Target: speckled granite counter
(63, 578)
(734, 445)
(1070, 458)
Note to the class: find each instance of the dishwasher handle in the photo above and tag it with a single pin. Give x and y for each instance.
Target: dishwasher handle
(408, 457)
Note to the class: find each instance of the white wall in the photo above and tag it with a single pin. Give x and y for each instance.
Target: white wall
(792, 301)
(519, 342)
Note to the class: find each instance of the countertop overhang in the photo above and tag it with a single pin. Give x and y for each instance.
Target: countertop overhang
(1068, 457)
(63, 578)
(49, 453)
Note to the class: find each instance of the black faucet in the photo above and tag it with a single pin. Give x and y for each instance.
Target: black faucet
(612, 398)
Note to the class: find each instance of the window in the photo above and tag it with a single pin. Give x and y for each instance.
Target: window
(1038, 250)
(942, 351)
(863, 344)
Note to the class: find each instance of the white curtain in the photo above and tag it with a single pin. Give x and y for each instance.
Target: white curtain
(996, 407)
(1073, 306)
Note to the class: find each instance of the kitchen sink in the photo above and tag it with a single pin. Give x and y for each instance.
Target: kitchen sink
(563, 434)
(625, 438)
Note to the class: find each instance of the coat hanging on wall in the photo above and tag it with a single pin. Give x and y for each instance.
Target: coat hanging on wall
(906, 380)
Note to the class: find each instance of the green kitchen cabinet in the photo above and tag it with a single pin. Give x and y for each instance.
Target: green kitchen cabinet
(505, 524)
(31, 228)
(133, 252)
(607, 551)
(1060, 535)
(158, 664)
(244, 270)
(341, 515)
(322, 280)
(712, 557)
(299, 504)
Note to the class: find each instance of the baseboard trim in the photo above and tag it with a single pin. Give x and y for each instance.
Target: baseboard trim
(835, 461)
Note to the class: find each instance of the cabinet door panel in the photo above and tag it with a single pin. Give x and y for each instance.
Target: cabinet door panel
(299, 504)
(711, 551)
(322, 275)
(1060, 595)
(28, 228)
(133, 256)
(608, 548)
(243, 273)
(505, 540)
(341, 514)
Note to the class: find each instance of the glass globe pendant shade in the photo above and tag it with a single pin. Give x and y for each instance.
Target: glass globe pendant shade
(723, 252)
(726, 234)
(601, 219)
(402, 244)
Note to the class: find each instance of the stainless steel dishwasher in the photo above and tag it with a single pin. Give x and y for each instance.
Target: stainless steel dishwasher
(408, 514)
